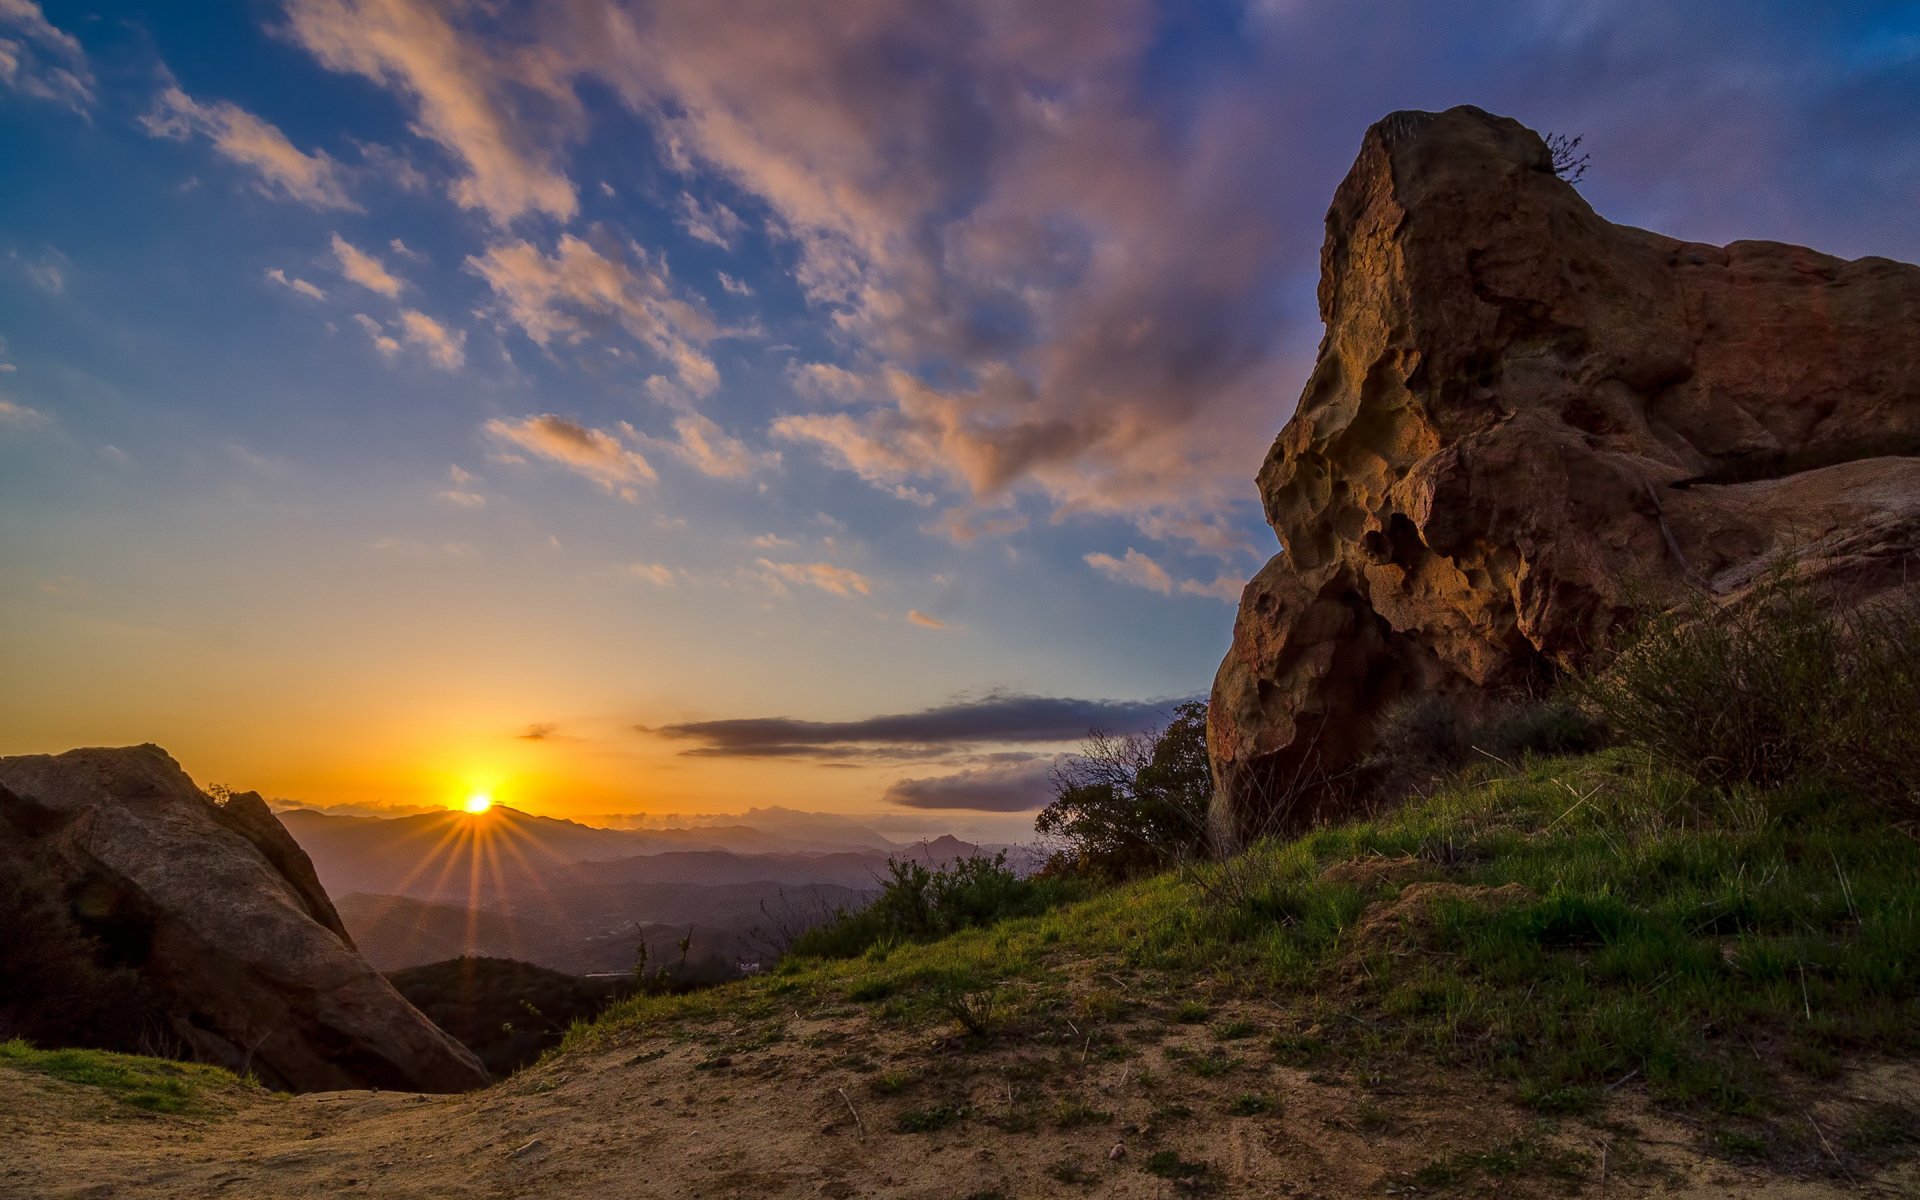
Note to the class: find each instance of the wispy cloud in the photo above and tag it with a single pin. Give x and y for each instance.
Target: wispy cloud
(1142, 571)
(457, 88)
(657, 574)
(20, 416)
(713, 222)
(294, 282)
(705, 447)
(364, 269)
(444, 348)
(592, 453)
(1136, 568)
(841, 581)
(566, 295)
(284, 170)
(924, 621)
(41, 60)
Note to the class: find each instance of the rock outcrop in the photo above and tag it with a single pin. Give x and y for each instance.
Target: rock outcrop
(1526, 423)
(221, 912)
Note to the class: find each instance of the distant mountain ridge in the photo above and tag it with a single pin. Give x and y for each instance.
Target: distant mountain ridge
(426, 887)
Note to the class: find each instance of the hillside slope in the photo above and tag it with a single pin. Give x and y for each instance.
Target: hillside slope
(1577, 977)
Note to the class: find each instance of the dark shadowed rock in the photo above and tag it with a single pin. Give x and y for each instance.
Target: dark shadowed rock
(221, 912)
(1525, 424)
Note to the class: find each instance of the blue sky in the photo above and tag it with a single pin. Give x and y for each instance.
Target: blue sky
(385, 380)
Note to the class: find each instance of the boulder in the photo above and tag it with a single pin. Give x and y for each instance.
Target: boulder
(220, 911)
(1526, 424)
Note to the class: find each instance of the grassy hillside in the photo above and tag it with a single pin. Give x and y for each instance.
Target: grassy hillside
(1570, 931)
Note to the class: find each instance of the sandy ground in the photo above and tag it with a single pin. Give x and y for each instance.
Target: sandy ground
(805, 1107)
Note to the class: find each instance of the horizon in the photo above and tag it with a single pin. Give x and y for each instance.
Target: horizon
(622, 414)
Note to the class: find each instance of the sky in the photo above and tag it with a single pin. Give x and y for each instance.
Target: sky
(655, 408)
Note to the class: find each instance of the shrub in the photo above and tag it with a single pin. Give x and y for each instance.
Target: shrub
(1777, 687)
(919, 904)
(1426, 738)
(1127, 806)
(60, 984)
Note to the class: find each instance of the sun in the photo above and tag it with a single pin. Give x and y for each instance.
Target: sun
(479, 802)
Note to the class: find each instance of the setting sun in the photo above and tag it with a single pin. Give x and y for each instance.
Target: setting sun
(479, 802)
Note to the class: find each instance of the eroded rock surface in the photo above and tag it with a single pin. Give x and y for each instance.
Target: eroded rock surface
(220, 910)
(1525, 423)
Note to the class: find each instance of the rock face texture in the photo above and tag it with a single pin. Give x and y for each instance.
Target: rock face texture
(226, 918)
(1525, 423)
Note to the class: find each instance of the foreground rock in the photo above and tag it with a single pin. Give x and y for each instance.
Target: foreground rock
(1525, 424)
(225, 918)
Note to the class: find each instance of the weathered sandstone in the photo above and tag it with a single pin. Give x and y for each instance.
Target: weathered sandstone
(1527, 423)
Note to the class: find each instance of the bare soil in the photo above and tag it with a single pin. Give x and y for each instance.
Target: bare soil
(843, 1104)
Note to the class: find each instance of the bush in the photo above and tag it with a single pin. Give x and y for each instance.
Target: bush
(1127, 806)
(1773, 689)
(508, 1013)
(917, 904)
(1427, 738)
(60, 985)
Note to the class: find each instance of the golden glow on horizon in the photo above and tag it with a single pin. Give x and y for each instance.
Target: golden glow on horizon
(479, 802)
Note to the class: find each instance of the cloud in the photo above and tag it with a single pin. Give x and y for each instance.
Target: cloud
(41, 60)
(963, 527)
(459, 90)
(841, 581)
(705, 447)
(653, 573)
(732, 286)
(286, 172)
(364, 269)
(1136, 568)
(414, 548)
(592, 453)
(462, 493)
(20, 416)
(446, 350)
(924, 621)
(713, 223)
(382, 341)
(999, 718)
(771, 541)
(1022, 787)
(296, 283)
(1224, 587)
(1142, 571)
(569, 294)
(539, 731)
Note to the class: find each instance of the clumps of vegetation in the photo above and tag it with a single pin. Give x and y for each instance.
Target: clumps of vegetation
(1522, 1156)
(149, 1084)
(1777, 688)
(919, 904)
(1568, 163)
(69, 980)
(1422, 741)
(1127, 806)
(508, 1013)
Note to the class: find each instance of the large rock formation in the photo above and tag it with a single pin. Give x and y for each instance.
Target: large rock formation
(1527, 422)
(220, 911)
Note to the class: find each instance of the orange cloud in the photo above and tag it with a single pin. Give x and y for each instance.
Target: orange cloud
(593, 453)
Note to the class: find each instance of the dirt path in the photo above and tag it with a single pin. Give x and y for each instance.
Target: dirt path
(769, 1109)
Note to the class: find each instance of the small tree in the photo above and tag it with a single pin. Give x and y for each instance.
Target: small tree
(1568, 163)
(1127, 805)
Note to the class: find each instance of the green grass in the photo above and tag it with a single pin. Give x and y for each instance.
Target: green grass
(151, 1084)
(1711, 948)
